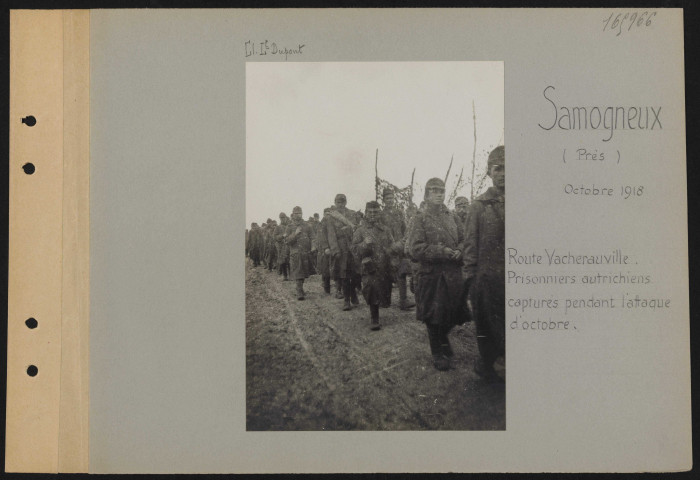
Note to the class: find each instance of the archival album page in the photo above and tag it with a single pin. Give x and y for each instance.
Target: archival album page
(302, 257)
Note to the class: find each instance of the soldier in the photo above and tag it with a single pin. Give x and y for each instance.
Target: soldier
(333, 266)
(255, 243)
(393, 219)
(324, 252)
(263, 244)
(462, 211)
(312, 222)
(437, 243)
(299, 240)
(282, 248)
(372, 246)
(270, 245)
(485, 263)
(415, 266)
(341, 225)
(462, 216)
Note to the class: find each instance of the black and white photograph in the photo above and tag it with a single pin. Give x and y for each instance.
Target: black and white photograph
(375, 230)
(274, 241)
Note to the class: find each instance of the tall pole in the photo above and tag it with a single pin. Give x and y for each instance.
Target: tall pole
(376, 176)
(449, 168)
(411, 191)
(471, 195)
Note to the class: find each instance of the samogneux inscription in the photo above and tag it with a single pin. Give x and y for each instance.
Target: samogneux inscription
(608, 118)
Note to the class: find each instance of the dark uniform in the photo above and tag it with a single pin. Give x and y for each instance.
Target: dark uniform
(372, 243)
(282, 247)
(462, 218)
(414, 265)
(340, 232)
(485, 263)
(255, 244)
(323, 258)
(437, 243)
(314, 245)
(299, 240)
(270, 246)
(263, 249)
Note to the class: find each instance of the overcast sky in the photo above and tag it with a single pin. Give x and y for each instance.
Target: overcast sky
(312, 129)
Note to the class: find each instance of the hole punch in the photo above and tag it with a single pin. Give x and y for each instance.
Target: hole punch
(32, 370)
(31, 323)
(29, 120)
(28, 168)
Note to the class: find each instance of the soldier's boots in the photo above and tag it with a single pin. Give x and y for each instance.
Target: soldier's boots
(374, 321)
(485, 370)
(300, 289)
(446, 349)
(338, 289)
(404, 303)
(348, 292)
(327, 285)
(353, 297)
(440, 360)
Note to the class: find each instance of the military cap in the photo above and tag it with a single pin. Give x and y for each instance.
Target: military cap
(461, 200)
(283, 215)
(497, 156)
(434, 183)
(341, 196)
(371, 204)
(327, 209)
(296, 210)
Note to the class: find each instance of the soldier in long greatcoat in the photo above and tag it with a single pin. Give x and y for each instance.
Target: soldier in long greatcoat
(485, 263)
(437, 243)
(282, 248)
(313, 223)
(299, 240)
(270, 246)
(372, 244)
(415, 266)
(341, 225)
(255, 244)
(263, 239)
(323, 260)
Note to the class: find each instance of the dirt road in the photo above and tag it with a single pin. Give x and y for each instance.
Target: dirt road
(311, 366)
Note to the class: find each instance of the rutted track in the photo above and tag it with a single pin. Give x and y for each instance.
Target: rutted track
(311, 366)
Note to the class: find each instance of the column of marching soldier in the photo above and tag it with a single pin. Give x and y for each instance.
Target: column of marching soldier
(455, 260)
